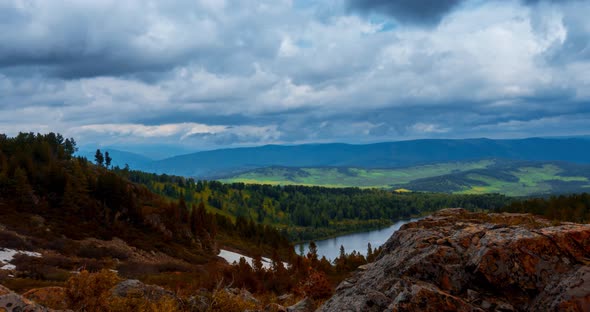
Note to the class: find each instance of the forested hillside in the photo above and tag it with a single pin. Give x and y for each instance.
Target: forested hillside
(39, 175)
(307, 213)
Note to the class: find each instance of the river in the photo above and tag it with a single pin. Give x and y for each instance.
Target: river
(356, 241)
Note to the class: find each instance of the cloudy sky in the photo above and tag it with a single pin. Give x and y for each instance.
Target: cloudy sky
(203, 74)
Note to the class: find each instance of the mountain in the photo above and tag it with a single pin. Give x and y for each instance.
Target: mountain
(224, 162)
(120, 158)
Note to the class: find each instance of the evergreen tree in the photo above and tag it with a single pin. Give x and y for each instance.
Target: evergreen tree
(107, 159)
(99, 158)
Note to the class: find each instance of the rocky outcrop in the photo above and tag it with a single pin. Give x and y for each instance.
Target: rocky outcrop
(457, 260)
(13, 302)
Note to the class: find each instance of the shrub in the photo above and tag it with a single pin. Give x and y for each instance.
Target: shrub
(90, 291)
(224, 301)
(127, 304)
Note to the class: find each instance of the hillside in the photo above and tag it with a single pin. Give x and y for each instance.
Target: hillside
(308, 212)
(60, 213)
(513, 178)
(224, 162)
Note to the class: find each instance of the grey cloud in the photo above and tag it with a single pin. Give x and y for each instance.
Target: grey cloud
(485, 72)
(105, 38)
(425, 12)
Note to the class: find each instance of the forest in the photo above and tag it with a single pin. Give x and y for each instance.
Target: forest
(308, 212)
(40, 174)
(573, 207)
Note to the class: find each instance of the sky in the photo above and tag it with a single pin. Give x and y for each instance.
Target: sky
(206, 74)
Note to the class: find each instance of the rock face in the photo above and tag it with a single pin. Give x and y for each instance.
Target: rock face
(457, 260)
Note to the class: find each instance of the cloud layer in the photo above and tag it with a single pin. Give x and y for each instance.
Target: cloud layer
(213, 73)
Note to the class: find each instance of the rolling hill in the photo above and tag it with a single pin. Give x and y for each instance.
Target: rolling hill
(228, 162)
(509, 177)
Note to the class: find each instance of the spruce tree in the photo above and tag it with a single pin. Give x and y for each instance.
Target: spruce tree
(99, 158)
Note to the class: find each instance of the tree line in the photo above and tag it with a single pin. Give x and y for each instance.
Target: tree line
(573, 208)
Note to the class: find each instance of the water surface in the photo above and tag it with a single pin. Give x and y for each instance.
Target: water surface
(356, 241)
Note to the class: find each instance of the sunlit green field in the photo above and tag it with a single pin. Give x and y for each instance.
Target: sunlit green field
(531, 180)
(515, 178)
(344, 177)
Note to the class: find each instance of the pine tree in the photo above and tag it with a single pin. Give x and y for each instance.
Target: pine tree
(98, 158)
(107, 159)
(312, 254)
(369, 252)
(257, 263)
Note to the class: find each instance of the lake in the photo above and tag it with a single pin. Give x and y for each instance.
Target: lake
(356, 241)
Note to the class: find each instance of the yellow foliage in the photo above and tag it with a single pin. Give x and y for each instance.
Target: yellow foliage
(226, 302)
(90, 291)
(142, 305)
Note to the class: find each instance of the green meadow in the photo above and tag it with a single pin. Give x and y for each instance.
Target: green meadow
(357, 177)
(514, 178)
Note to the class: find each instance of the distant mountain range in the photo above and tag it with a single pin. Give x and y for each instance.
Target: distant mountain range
(226, 162)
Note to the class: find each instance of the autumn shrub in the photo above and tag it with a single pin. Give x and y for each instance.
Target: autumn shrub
(90, 291)
(223, 301)
(127, 304)
(317, 286)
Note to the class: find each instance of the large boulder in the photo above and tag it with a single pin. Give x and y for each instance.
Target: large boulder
(457, 260)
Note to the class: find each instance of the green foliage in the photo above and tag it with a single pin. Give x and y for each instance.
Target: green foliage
(574, 208)
(303, 212)
(99, 158)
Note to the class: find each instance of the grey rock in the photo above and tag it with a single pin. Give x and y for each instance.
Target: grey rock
(456, 260)
(305, 305)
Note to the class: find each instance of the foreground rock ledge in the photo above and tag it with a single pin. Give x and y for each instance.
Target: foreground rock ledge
(457, 260)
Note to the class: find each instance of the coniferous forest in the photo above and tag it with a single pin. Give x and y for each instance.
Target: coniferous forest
(304, 212)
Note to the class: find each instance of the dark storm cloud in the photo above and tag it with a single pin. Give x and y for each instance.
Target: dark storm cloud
(106, 38)
(428, 12)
